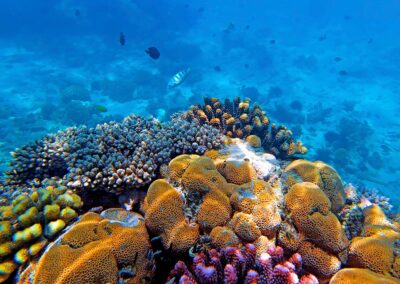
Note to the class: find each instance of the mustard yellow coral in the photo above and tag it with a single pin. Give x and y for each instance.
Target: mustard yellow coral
(320, 174)
(358, 276)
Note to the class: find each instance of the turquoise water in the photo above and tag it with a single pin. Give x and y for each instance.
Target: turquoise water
(329, 70)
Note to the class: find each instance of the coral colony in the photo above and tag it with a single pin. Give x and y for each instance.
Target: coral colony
(218, 194)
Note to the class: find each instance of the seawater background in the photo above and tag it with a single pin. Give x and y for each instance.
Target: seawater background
(59, 59)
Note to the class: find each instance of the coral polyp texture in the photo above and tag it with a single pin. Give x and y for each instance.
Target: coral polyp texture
(221, 197)
(112, 156)
(113, 247)
(31, 221)
(234, 265)
(237, 118)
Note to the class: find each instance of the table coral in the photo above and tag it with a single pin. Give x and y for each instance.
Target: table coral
(30, 221)
(322, 175)
(97, 249)
(238, 119)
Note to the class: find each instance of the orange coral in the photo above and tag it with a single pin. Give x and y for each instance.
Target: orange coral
(223, 237)
(358, 276)
(237, 172)
(178, 165)
(254, 141)
(215, 210)
(322, 175)
(113, 245)
(374, 249)
(321, 263)
(245, 227)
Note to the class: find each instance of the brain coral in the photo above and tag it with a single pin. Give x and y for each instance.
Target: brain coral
(375, 248)
(237, 119)
(30, 221)
(97, 249)
(112, 156)
(322, 175)
(309, 208)
(198, 201)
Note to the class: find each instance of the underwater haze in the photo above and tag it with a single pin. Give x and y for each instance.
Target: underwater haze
(101, 100)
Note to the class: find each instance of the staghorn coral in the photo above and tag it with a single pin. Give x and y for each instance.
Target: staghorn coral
(238, 119)
(108, 248)
(233, 265)
(358, 275)
(317, 233)
(30, 221)
(320, 174)
(112, 156)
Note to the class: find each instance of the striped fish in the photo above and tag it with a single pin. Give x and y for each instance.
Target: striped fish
(178, 78)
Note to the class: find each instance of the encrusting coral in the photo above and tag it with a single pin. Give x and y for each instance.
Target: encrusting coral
(238, 119)
(112, 156)
(108, 248)
(31, 221)
(358, 276)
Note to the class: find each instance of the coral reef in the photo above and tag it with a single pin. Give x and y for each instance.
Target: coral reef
(233, 265)
(316, 232)
(113, 156)
(238, 119)
(30, 222)
(108, 248)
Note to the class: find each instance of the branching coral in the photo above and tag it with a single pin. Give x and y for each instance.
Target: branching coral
(239, 119)
(232, 265)
(113, 156)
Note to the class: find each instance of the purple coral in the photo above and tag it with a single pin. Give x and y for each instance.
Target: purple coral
(112, 156)
(233, 265)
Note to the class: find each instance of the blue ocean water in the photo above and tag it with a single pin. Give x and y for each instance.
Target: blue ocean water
(329, 70)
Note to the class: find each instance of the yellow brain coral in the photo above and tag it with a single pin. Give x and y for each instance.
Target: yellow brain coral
(320, 174)
(245, 227)
(29, 221)
(97, 255)
(358, 276)
(375, 248)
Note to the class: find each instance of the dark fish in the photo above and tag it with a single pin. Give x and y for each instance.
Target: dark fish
(153, 52)
(101, 108)
(337, 59)
(322, 37)
(343, 73)
(272, 41)
(347, 17)
(77, 13)
(217, 68)
(200, 10)
(122, 39)
(247, 27)
(246, 66)
(370, 41)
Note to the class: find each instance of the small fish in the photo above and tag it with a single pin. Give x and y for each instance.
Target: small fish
(337, 59)
(77, 13)
(322, 37)
(247, 27)
(178, 78)
(101, 108)
(217, 68)
(272, 41)
(153, 52)
(343, 73)
(370, 41)
(246, 66)
(122, 39)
